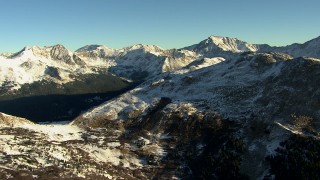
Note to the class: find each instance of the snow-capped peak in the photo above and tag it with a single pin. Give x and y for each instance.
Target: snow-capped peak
(215, 46)
(231, 44)
(91, 48)
(144, 47)
(25, 53)
(219, 39)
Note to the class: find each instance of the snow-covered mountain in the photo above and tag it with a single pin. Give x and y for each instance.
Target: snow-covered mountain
(59, 65)
(225, 46)
(218, 117)
(310, 49)
(243, 83)
(134, 62)
(221, 46)
(32, 64)
(267, 97)
(220, 109)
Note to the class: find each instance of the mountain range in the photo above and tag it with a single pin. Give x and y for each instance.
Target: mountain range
(219, 109)
(59, 65)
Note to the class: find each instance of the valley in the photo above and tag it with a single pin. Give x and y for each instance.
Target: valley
(54, 108)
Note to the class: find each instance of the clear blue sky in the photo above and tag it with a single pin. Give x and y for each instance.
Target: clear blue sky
(166, 23)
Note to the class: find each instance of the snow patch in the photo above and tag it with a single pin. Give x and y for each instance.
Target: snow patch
(57, 132)
(111, 156)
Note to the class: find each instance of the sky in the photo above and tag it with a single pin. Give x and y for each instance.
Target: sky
(166, 23)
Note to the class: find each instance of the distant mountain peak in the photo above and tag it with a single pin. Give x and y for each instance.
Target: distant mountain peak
(59, 46)
(220, 45)
(145, 47)
(22, 52)
(91, 48)
(220, 38)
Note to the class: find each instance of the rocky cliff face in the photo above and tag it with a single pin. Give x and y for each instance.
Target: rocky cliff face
(60, 53)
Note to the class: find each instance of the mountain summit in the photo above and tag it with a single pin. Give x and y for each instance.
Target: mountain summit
(215, 43)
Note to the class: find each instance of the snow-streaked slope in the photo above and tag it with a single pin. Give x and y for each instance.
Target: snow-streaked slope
(177, 59)
(11, 121)
(53, 132)
(76, 153)
(207, 80)
(134, 62)
(260, 92)
(263, 85)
